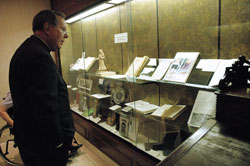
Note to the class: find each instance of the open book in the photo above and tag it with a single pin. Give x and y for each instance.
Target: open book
(106, 73)
(83, 64)
(146, 73)
(149, 69)
(169, 111)
(220, 71)
(136, 66)
(181, 66)
(161, 69)
(142, 107)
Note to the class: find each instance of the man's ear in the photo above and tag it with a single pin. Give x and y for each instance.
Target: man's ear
(46, 28)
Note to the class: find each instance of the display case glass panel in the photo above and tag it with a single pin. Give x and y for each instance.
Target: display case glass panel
(137, 67)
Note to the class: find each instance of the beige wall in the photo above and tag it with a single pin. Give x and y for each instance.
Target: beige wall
(16, 26)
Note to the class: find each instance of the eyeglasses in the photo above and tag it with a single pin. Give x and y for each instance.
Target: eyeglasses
(63, 30)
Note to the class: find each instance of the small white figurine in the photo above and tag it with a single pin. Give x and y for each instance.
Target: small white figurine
(101, 57)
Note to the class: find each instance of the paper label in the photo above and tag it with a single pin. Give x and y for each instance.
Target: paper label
(121, 38)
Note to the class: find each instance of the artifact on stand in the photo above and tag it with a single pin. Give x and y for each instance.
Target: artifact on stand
(101, 57)
(102, 70)
(236, 76)
(118, 97)
(233, 100)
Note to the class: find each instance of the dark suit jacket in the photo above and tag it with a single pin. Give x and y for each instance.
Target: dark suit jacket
(42, 115)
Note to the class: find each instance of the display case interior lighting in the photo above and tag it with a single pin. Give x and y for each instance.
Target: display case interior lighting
(89, 12)
(116, 1)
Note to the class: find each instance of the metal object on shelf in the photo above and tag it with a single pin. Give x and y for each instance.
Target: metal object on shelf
(118, 95)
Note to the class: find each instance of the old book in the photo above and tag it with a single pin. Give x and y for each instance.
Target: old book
(161, 69)
(106, 73)
(124, 125)
(146, 73)
(133, 128)
(137, 103)
(76, 65)
(168, 111)
(88, 63)
(83, 64)
(204, 108)
(220, 71)
(160, 111)
(208, 65)
(152, 62)
(136, 66)
(142, 107)
(146, 109)
(149, 69)
(173, 112)
(181, 66)
(197, 76)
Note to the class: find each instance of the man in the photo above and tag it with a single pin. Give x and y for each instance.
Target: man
(6, 113)
(43, 123)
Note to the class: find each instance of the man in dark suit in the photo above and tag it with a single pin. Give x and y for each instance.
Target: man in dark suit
(43, 123)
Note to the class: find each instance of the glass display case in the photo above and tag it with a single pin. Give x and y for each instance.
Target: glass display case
(135, 68)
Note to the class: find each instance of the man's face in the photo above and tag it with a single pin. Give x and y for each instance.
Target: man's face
(58, 34)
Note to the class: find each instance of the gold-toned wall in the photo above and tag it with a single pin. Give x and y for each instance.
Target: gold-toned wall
(71, 51)
(77, 40)
(144, 43)
(107, 25)
(188, 26)
(144, 28)
(235, 29)
(66, 54)
(126, 22)
(89, 36)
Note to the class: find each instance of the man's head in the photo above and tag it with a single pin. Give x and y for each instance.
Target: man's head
(51, 27)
